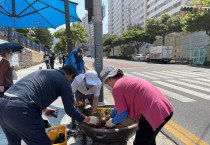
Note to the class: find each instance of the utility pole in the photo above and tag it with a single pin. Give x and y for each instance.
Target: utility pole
(68, 31)
(97, 22)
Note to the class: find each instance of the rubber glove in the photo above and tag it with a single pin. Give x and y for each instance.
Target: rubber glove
(49, 112)
(94, 120)
(109, 123)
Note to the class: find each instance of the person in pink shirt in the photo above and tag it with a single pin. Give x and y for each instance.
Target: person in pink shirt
(140, 100)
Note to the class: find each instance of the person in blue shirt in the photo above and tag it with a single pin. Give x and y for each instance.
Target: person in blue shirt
(75, 58)
(22, 105)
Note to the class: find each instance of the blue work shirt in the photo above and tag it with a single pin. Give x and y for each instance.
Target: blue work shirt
(43, 87)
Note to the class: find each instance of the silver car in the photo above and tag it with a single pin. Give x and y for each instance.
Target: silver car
(138, 57)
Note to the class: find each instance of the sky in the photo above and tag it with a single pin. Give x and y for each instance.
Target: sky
(81, 13)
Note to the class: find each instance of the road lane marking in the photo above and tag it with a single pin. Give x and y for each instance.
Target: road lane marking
(142, 66)
(146, 76)
(178, 135)
(88, 67)
(175, 96)
(167, 74)
(189, 85)
(188, 91)
(156, 75)
(196, 82)
(129, 75)
(205, 80)
(187, 133)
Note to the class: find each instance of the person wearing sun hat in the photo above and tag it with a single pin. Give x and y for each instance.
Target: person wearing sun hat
(86, 86)
(140, 100)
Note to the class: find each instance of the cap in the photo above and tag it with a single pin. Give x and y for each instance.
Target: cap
(108, 72)
(91, 77)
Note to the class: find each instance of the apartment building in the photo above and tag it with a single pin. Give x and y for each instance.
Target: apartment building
(126, 13)
(90, 30)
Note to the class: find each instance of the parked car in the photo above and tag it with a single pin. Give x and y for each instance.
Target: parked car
(138, 57)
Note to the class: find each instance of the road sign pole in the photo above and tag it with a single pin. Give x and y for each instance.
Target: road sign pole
(97, 22)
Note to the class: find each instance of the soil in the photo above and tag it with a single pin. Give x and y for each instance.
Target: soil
(125, 123)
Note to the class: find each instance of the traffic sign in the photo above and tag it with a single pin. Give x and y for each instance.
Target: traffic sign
(199, 6)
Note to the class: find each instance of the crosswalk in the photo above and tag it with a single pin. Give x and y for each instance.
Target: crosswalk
(182, 85)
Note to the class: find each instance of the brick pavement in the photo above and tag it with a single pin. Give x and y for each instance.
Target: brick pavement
(64, 119)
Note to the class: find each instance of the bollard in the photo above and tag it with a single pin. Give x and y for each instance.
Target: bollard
(40, 68)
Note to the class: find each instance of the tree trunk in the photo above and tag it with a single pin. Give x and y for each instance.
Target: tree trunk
(163, 39)
(113, 50)
(137, 48)
(208, 32)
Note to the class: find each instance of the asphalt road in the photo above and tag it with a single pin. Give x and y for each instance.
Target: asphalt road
(186, 87)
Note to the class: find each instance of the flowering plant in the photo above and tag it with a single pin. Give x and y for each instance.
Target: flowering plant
(103, 115)
(81, 105)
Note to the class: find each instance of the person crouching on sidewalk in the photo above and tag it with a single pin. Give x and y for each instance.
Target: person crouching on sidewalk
(22, 105)
(86, 86)
(141, 101)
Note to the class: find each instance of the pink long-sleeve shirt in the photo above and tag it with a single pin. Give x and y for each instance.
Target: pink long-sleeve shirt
(140, 97)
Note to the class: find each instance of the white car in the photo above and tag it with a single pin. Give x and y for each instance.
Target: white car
(138, 57)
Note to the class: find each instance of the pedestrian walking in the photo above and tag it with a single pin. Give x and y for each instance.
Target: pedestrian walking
(86, 86)
(47, 60)
(140, 100)
(22, 105)
(52, 60)
(60, 58)
(64, 58)
(6, 79)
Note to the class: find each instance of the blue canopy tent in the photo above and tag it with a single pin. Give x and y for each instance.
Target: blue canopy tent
(35, 13)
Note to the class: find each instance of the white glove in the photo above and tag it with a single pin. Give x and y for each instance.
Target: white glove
(109, 123)
(94, 120)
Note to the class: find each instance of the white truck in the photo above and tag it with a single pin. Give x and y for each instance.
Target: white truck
(160, 54)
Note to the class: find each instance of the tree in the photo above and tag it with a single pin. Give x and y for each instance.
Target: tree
(138, 38)
(59, 47)
(198, 20)
(137, 26)
(78, 32)
(163, 25)
(120, 41)
(110, 42)
(43, 35)
(23, 31)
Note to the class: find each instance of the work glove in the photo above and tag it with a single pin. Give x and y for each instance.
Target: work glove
(109, 123)
(51, 112)
(94, 120)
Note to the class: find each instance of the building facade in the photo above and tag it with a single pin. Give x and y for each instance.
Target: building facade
(90, 30)
(126, 13)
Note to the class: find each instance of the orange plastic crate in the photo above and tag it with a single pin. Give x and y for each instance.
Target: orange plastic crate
(54, 132)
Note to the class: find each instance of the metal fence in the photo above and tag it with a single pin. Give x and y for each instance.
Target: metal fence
(24, 40)
(201, 55)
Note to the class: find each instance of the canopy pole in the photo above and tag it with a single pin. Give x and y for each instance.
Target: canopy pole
(68, 30)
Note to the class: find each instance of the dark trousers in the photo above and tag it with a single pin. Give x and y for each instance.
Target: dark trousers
(47, 64)
(52, 65)
(22, 121)
(145, 135)
(2, 93)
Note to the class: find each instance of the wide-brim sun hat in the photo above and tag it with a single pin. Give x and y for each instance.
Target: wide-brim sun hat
(108, 72)
(91, 77)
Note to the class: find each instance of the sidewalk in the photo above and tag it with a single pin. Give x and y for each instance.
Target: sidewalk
(65, 119)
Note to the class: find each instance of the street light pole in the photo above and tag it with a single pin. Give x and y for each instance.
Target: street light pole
(97, 22)
(68, 31)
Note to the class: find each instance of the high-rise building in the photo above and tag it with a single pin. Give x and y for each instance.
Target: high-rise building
(90, 30)
(126, 13)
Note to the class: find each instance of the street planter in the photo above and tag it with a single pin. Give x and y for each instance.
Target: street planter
(120, 134)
